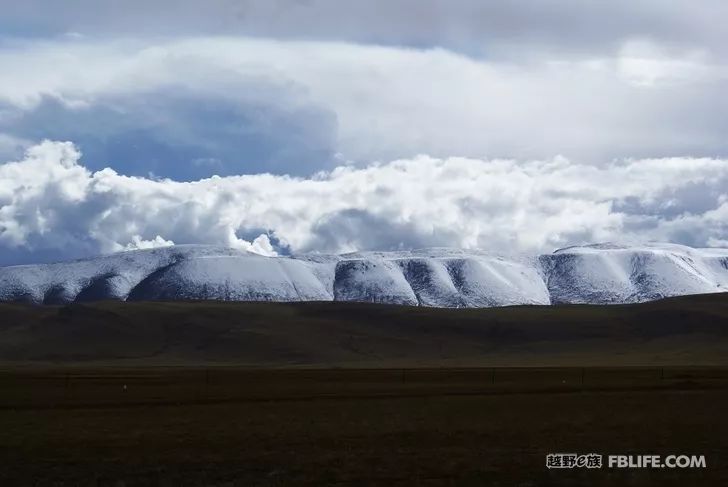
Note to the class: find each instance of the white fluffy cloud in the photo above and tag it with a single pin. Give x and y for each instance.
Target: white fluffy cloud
(138, 242)
(49, 200)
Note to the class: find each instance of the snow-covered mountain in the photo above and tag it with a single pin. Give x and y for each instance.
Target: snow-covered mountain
(608, 273)
(603, 273)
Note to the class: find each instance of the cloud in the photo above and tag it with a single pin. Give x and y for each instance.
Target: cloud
(490, 29)
(194, 107)
(183, 134)
(12, 147)
(543, 125)
(50, 204)
(138, 243)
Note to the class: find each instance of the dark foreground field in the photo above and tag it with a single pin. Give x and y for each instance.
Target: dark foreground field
(240, 394)
(682, 331)
(222, 426)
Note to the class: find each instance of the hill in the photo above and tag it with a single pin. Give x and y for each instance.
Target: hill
(691, 330)
(450, 278)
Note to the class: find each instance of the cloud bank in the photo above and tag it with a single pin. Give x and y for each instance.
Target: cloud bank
(290, 126)
(490, 29)
(50, 204)
(193, 107)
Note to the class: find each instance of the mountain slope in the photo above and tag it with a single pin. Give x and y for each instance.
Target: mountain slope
(599, 274)
(606, 274)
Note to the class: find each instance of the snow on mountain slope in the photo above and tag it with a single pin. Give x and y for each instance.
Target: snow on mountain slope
(496, 282)
(233, 278)
(431, 282)
(107, 277)
(372, 280)
(440, 277)
(602, 273)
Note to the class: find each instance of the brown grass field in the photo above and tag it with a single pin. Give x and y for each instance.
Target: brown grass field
(240, 394)
(236, 427)
(681, 331)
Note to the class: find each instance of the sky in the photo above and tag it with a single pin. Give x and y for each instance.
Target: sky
(296, 126)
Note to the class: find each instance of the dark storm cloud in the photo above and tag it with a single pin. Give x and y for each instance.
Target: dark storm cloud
(181, 135)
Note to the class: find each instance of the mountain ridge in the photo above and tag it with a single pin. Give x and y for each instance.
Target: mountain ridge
(605, 273)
